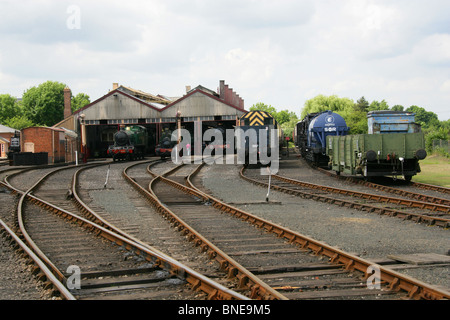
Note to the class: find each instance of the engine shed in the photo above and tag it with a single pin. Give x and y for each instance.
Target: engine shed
(198, 109)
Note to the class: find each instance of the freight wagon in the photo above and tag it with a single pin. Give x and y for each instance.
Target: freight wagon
(393, 147)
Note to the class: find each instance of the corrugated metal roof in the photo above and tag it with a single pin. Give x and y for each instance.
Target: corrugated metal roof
(145, 96)
(4, 129)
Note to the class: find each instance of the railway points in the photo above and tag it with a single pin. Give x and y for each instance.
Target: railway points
(289, 278)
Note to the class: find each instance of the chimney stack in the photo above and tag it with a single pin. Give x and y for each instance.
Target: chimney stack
(115, 85)
(67, 102)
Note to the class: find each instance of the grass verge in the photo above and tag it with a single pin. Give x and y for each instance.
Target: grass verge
(435, 170)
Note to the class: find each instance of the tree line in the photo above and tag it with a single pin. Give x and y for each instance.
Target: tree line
(355, 115)
(42, 105)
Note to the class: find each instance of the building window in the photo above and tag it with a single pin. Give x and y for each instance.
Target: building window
(108, 135)
(229, 117)
(92, 121)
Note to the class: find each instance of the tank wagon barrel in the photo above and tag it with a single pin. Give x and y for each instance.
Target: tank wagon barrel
(312, 132)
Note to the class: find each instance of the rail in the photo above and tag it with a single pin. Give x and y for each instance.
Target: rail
(396, 281)
(213, 289)
(45, 271)
(258, 289)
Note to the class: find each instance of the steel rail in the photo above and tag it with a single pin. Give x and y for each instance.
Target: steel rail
(258, 289)
(369, 196)
(41, 268)
(441, 222)
(397, 281)
(28, 239)
(93, 216)
(429, 187)
(412, 195)
(213, 289)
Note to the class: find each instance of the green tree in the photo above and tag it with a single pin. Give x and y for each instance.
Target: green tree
(436, 134)
(18, 122)
(263, 107)
(322, 103)
(362, 104)
(79, 101)
(353, 114)
(44, 104)
(8, 107)
(375, 106)
(397, 107)
(285, 118)
(427, 119)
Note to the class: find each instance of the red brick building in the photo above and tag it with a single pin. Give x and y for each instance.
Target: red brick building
(57, 142)
(5, 138)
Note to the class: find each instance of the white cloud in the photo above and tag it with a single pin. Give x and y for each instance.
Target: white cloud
(434, 50)
(278, 52)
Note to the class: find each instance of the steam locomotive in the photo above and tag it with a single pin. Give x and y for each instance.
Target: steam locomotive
(130, 143)
(165, 145)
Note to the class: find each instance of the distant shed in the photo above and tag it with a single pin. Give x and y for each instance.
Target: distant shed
(6, 133)
(97, 122)
(60, 144)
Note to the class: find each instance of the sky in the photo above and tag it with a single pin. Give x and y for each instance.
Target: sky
(280, 53)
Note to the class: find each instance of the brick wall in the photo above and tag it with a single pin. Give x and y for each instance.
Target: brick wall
(7, 136)
(229, 96)
(67, 102)
(44, 140)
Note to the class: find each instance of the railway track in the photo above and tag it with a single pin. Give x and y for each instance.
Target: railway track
(278, 278)
(428, 212)
(272, 255)
(109, 265)
(442, 203)
(239, 276)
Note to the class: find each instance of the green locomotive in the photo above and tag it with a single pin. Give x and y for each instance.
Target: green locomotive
(393, 147)
(130, 143)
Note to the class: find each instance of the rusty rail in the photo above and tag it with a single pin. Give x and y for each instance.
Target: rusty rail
(429, 187)
(369, 196)
(442, 222)
(396, 281)
(405, 193)
(257, 288)
(41, 270)
(198, 281)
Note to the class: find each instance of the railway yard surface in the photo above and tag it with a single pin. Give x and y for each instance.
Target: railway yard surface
(186, 239)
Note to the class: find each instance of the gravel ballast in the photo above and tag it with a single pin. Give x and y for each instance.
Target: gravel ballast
(367, 235)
